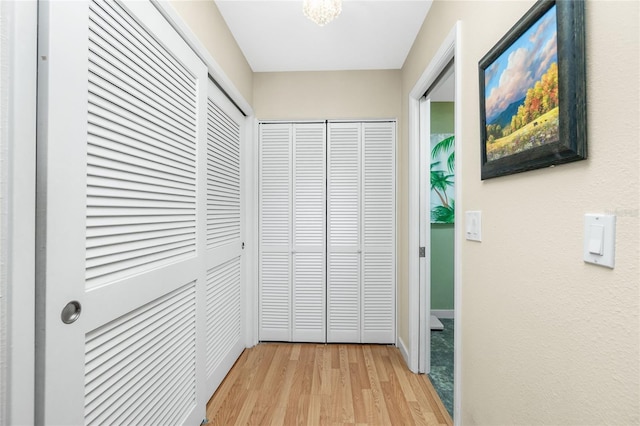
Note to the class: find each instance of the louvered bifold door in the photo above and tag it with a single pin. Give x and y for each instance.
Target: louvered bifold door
(224, 237)
(308, 281)
(122, 172)
(378, 233)
(343, 233)
(275, 232)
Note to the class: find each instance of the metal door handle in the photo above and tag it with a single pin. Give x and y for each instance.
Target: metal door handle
(71, 312)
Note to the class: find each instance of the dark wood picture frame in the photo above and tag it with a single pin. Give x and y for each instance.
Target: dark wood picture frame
(571, 127)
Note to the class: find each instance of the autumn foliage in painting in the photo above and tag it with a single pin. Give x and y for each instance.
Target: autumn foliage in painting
(534, 124)
(540, 99)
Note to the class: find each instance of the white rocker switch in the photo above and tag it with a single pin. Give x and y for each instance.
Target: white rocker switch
(600, 239)
(473, 226)
(596, 236)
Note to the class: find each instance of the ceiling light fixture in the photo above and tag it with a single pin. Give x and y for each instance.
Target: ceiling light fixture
(322, 11)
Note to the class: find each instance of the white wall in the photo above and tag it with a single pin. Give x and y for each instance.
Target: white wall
(548, 339)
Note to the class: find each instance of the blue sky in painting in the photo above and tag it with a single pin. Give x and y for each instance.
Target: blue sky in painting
(509, 77)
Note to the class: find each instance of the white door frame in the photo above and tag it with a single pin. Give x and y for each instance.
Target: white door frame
(449, 49)
(17, 233)
(424, 347)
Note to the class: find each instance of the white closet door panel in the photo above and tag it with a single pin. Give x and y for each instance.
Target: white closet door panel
(135, 142)
(122, 102)
(344, 233)
(378, 185)
(309, 187)
(275, 296)
(275, 186)
(224, 256)
(223, 176)
(224, 320)
(343, 298)
(150, 347)
(344, 186)
(309, 297)
(275, 232)
(309, 232)
(378, 298)
(378, 281)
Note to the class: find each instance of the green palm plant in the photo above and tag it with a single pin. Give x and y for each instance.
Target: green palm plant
(442, 214)
(446, 145)
(441, 180)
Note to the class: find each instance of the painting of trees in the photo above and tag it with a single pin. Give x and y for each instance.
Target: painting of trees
(540, 99)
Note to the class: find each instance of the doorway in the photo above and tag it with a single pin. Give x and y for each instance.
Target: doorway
(418, 352)
(437, 231)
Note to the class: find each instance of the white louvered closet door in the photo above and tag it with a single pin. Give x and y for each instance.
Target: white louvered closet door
(361, 232)
(344, 233)
(224, 258)
(275, 232)
(122, 103)
(378, 232)
(292, 232)
(309, 281)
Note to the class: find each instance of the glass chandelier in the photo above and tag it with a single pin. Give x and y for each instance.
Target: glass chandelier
(322, 11)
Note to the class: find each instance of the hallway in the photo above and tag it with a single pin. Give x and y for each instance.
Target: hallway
(274, 383)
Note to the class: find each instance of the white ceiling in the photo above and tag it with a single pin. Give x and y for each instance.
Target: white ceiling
(371, 34)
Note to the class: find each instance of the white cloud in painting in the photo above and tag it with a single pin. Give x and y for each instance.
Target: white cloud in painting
(524, 63)
(514, 81)
(547, 56)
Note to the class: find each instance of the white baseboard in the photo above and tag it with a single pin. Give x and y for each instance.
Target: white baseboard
(435, 324)
(443, 313)
(403, 350)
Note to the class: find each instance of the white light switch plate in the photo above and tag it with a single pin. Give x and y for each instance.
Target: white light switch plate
(473, 229)
(600, 239)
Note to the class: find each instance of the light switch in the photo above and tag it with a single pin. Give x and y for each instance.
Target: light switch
(473, 231)
(600, 239)
(596, 235)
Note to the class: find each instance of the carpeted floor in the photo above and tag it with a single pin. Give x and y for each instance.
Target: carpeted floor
(442, 363)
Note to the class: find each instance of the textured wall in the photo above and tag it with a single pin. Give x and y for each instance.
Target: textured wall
(546, 338)
(206, 22)
(327, 95)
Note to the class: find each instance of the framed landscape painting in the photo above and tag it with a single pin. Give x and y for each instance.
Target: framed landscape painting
(533, 92)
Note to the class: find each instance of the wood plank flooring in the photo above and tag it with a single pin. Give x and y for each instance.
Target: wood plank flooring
(312, 384)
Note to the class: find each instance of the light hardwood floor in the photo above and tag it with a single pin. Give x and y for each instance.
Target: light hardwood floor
(309, 384)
